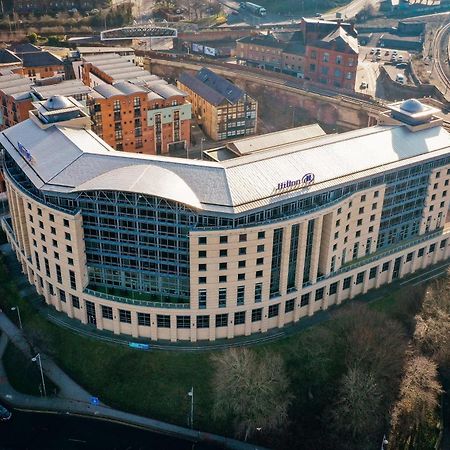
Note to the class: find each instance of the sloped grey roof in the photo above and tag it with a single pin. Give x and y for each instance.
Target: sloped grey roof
(66, 88)
(40, 59)
(339, 40)
(16, 86)
(69, 160)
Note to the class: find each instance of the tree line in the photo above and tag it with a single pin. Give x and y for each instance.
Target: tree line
(345, 384)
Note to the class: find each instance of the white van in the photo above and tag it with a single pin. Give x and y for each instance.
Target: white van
(400, 78)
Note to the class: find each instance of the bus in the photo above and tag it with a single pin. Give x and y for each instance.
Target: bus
(253, 8)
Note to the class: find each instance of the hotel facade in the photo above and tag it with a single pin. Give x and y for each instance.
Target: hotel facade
(160, 248)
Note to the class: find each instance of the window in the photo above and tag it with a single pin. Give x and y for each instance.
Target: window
(358, 234)
(304, 300)
(69, 248)
(202, 298)
(70, 261)
(54, 243)
(319, 294)
(183, 322)
(240, 295)
(370, 229)
(432, 248)
(347, 283)
(421, 252)
(241, 264)
(385, 267)
(274, 310)
(339, 210)
(67, 236)
(107, 312)
(338, 222)
(202, 254)
(259, 274)
(360, 277)
(53, 230)
(221, 320)
(223, 252)
(75, 302)
(202, 240)
(256, 315)
(124, 316)
(372, 273)
(56, 255)
(41, 224)
(202, 321)
(260, 248)
(242, 238)
(39, 212)
(223, 239)
(333, 288)
(363, 198)
(58, 273)
(242, 250)
(443, 243)
(261, 234)
(359, 222)
(289, 305)
(62, 295)
(163, 321)
(372, 218)
(259, 261)
(202, 267)
(376, 194)
(336, 235)
(73, 281)
(222, 297)
(201, 280)
(361, 210)
(258, 292)
(66, 222)
(222, 266)
(239, 318)
(241, 276)
(222, 278)
(143, 319)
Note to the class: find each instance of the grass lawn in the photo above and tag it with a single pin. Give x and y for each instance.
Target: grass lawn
(23, 374)
(154, 384)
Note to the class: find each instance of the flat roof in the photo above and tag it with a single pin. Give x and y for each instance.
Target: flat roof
(16, 86)
(66, 88)
(72, 160)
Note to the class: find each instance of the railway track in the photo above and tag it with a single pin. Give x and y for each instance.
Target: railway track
(441, 56)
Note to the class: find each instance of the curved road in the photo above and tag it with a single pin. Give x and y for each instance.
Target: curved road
(441, 66)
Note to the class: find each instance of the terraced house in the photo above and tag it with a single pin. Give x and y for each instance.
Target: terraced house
(265, 232)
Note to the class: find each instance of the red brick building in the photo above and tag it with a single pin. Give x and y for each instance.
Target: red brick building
(133, 110)
(333, 60)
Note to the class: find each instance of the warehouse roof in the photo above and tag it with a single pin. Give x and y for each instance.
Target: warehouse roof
(16, 86)
(66, 88)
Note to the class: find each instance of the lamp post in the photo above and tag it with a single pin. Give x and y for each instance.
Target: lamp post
(16, 308)
(191, 394)
(38, 359)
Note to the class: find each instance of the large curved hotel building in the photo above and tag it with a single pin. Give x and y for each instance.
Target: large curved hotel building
(266, 231)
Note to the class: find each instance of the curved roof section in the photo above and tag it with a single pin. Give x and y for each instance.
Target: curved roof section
(144, 179)
(56, 102)
(412, 106)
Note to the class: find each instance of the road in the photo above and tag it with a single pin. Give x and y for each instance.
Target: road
(440, 52)
(350, 10)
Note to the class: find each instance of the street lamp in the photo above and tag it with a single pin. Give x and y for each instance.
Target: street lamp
(384, 442)
(16, 308)
(191, 394)
(38, 359)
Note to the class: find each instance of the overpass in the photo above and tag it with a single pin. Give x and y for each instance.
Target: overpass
(137, 32)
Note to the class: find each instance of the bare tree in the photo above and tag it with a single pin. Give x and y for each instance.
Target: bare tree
(252, 389)
(417, 403)
(433, 323)
(357, 410)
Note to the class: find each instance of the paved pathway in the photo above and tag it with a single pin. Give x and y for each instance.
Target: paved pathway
(78, 403)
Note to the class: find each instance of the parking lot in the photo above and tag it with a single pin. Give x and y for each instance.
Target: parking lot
(371, 58)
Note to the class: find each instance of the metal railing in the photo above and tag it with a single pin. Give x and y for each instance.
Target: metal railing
(131, 301)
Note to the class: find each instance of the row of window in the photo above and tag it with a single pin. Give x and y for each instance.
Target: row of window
(203, 240)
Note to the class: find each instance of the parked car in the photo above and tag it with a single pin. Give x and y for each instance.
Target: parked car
(399, 58)
(378, 58)
(387, 53)
(394, 58)
(4, 414)
(364, 85)
(372, 51)
(402, 65)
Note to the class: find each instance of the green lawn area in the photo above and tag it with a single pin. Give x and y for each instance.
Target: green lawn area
(155, 384)
(23, 374)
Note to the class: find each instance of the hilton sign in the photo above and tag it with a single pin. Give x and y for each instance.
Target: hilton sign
(306, 180)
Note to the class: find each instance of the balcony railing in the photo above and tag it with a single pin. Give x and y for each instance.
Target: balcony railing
(131, 301)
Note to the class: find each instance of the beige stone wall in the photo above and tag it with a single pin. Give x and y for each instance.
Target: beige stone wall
(243, 267)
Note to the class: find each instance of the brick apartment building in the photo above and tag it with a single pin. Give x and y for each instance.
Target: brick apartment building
(133, 110)
(324, 52)
(223, 110)
(37, 63)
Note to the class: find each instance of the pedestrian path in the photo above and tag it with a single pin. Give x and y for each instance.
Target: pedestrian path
(78, 404)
